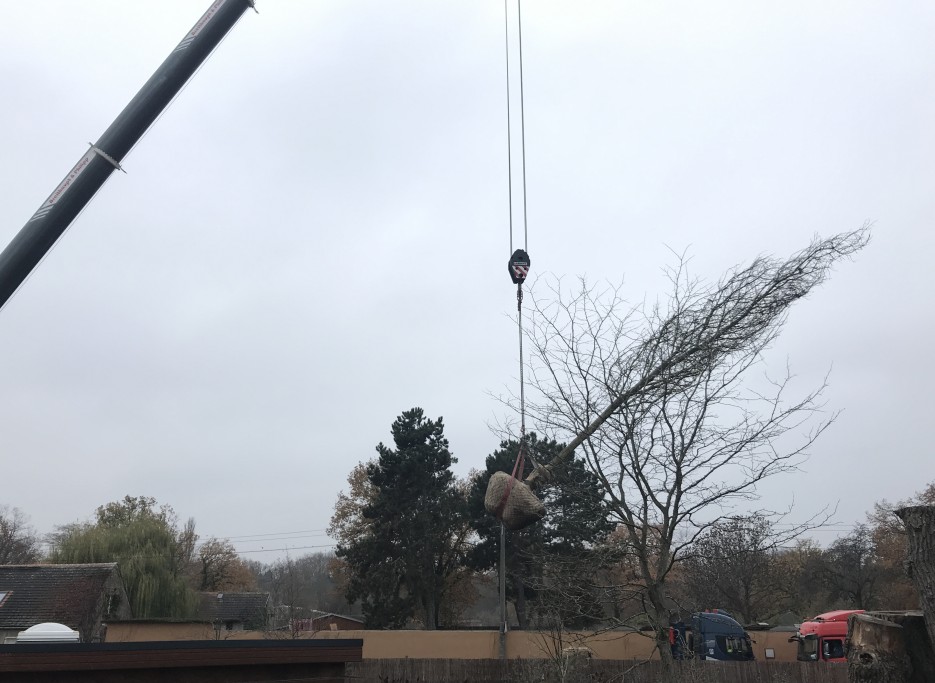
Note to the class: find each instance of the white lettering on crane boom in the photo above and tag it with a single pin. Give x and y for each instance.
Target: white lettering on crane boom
(191, 35)
(63, 186)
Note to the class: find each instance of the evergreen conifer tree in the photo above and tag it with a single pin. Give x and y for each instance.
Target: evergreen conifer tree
(575, 521)
(416, 533)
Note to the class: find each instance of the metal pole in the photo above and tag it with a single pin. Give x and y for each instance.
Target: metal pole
(503, 624)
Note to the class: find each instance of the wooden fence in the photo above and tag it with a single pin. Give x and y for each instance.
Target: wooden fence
(586, 671)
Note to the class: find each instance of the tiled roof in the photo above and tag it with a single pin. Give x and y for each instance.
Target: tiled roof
(248, 608)
(63, 593)
(316, 614)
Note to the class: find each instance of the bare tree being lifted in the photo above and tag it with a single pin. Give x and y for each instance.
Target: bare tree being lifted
(654, 399)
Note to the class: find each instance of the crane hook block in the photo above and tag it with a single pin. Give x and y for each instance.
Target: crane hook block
(519, 266)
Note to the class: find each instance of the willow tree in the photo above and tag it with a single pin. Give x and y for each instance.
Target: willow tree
(152, 552)
(658, 402)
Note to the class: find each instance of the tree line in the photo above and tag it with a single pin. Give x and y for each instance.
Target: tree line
(414, 544)
(164, 563)
(573, 568)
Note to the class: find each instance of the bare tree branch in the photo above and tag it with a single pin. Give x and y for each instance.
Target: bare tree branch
(742, 314)
(658, 399)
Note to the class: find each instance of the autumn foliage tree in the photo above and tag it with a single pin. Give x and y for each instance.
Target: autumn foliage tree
(348, 521)
(219, 568)
(888, 534)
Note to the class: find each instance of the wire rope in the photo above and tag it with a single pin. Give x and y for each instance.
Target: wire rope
(519, 261)
(519, 268)
(509, 139)
(522, 120)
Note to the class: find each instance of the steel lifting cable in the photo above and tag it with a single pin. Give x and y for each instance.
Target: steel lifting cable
(519, 268)
(519, 260)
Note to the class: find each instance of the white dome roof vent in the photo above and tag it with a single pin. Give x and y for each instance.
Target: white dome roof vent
(48, 633)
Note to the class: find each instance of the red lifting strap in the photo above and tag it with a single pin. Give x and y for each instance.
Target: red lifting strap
(518, 467)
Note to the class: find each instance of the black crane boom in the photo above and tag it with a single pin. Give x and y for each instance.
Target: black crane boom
(87, 176)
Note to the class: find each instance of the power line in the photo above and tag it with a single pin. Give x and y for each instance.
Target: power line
(301, 547)
(319, 532)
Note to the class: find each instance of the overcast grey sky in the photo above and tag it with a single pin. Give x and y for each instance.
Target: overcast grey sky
(313, 237)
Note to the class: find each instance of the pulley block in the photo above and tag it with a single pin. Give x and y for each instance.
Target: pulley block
(519, 266)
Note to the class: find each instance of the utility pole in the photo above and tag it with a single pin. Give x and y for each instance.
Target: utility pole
(503, 623)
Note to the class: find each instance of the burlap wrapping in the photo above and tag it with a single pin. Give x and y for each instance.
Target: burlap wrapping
(521, 509)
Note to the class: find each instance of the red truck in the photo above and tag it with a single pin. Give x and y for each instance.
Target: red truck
(822, 638)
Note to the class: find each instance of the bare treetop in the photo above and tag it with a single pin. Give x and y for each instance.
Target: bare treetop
(652, 354)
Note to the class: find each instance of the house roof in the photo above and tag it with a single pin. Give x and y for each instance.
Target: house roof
(243, 607)
(785, 619)
(324, 615)
(63, 593)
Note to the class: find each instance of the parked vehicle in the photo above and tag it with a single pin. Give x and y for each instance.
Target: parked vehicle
(710, 635)
(822, 638)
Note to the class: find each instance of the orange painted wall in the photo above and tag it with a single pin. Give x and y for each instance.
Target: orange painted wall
(445, 644)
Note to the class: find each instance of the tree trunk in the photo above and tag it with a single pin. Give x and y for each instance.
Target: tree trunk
(656, 594)
(900, 647)
(921, 654)
(920, 525)
(429, 588)
(519, 602)
(881, 644)
(876, 651)
(428, 609)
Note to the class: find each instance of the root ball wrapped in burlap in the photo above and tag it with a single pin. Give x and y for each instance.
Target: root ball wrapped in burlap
(520, 509)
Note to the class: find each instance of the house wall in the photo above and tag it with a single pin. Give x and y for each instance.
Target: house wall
(778, 641)
(447, 644)
(139, 632)
(112, 603)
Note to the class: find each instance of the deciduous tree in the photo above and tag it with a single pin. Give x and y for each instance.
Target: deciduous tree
(852, 572)
(348, 522)
(19, 543)
(657, 399)
(736, 565)
(221, 569)
(803, 566)
(305, 583)
(895, 590)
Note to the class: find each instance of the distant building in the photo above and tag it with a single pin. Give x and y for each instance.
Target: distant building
(235, 611)
(80, 596)
(327, 621)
